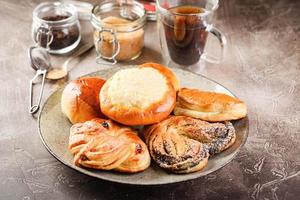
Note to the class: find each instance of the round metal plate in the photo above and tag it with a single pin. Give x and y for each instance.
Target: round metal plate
(54, 131)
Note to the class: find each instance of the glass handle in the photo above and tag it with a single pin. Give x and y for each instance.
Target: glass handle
(222, 40)
(115, 47)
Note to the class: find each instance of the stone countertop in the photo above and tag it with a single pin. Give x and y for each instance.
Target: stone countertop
(261, 66)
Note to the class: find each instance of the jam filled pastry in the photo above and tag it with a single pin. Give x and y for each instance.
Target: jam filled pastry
(102, 144)
(183, 144)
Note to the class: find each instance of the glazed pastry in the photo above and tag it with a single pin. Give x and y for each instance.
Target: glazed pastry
(183, 144)
(209, 106)
(138, 96)
(103, 144)
(80, 99)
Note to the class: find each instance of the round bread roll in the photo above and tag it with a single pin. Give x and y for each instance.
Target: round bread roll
(165, 71)
(137, 96)
(80, 99)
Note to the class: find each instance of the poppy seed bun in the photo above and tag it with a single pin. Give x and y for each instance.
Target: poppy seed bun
(209, 106)
(137, 96)
(80, 99)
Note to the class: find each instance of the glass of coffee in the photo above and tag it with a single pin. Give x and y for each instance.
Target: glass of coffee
(183, 27)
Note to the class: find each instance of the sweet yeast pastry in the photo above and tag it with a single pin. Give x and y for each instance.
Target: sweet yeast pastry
(209, 106)
(80, 99)
(103, 144)
(183, 144)
(137, 96)
(173, 151)
(166, 72)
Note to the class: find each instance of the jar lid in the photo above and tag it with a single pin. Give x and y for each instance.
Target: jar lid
(150, 9)
(84, 9)
(132, 12)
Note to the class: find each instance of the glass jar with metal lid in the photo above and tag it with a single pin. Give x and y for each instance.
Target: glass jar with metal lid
(118, 30)
(56, 27)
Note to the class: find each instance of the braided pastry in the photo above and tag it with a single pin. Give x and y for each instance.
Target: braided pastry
(102, 144)
(183, 144)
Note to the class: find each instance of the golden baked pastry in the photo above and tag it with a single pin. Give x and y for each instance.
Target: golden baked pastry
(103, 144)
(80, 99)
(137, 96)
(165, 71)
(209, 106)
(183, 144)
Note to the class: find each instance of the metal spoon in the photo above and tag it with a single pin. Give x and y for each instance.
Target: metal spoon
(40, 61)
(58, 73)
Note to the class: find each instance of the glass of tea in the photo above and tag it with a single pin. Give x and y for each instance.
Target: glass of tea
(183, 28)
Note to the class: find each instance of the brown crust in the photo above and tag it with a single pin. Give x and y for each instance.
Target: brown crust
(106, 145)
(136, 116)
(80, 99)
(166, 72)
(209, 106)
(205, 100)
(181, 144)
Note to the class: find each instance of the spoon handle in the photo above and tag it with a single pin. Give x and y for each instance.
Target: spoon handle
(34, 108)
(84, 48)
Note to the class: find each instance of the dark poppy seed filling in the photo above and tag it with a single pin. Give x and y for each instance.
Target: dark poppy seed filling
(222, 139)
(183, 144)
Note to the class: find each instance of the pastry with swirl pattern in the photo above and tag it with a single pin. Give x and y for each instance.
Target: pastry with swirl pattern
(183, 144)
(103, 144)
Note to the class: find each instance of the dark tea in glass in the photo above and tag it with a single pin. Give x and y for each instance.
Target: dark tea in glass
(185, 34)
(183, 27)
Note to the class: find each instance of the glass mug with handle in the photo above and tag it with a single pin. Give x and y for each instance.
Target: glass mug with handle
(183, 27)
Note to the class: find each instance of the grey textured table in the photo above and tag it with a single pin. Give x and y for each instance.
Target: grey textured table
(261, 66)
